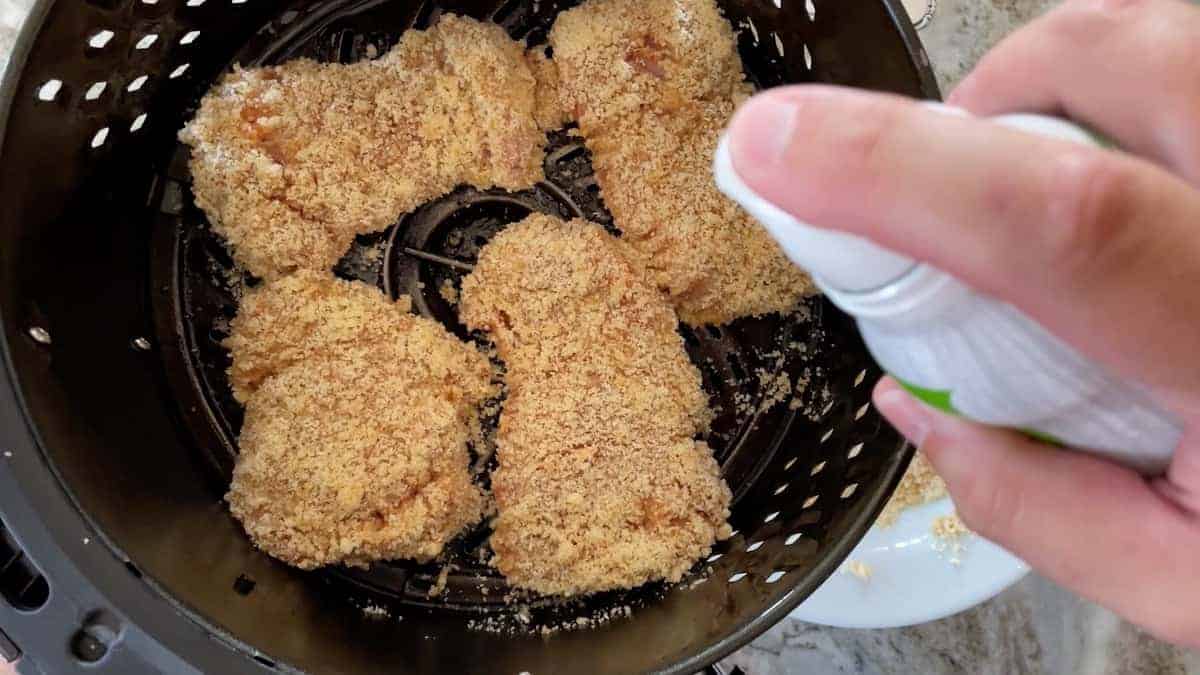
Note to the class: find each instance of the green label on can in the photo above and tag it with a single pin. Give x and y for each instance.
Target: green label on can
(940, 400)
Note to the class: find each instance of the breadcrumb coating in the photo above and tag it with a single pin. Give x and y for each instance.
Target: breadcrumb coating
(290, 162)
(600, 484)
(358, 414)
(652, 84)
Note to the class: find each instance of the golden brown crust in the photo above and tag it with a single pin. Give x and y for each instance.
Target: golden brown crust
(354, 446)
(291, 161)
(652, 84)
(600, 483)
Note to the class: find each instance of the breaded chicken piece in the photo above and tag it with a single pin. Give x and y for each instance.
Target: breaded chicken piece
(358, 414)
(290, 162)
(309, 315)
(600, 484)
(652, 84)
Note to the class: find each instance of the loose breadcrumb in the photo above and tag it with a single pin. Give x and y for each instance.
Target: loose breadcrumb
(950, 534)
(448, 292)
(652, 84)
(354, 446)
(949, 528)
(290, 162)
(920, 485)
(600, 484)
(859, 569)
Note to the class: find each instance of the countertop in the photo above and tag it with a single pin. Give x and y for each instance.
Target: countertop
(1035, 627)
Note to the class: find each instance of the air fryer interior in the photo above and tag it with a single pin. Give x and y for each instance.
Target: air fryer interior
(115, 297)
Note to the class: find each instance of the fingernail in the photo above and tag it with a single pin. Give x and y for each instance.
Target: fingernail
(908, 416)
(762, 131)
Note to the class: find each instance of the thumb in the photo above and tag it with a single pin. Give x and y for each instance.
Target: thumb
(1090, 525)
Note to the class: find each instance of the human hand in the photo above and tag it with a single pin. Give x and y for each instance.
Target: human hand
(1102, 248)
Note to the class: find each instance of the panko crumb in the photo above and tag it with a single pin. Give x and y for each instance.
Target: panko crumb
(949, 528)
(920, 485)
(950, 537)
(600, 484)
(652, 84)
(375, 612)
(859, 569)
(358, 414)
(448, 292)
(290, 162)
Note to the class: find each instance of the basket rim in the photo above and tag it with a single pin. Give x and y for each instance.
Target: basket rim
(34, 495)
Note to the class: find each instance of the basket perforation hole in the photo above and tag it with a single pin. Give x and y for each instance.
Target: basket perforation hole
(771, 516)
(808, 503)
(179, 71)
(855, 451)
(862, 374)
(790, 463)
(818, 468)
(194, 3)
(736, 577)
(49, 90)
(826, 436)
(95, 91)
(100, 39)
(779, 44)
(850, 490)
(146, 41)
(754, 547)
(138, 82)
(775, 576)
(792, 539)
(715, 557)
(781, 489)
(190, 37)
(811, 9)
(138, 122)
(858, 414)
(778, 4)
(808, 63)
(100, 137)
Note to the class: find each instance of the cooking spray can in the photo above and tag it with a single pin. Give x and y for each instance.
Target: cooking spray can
(967, 353)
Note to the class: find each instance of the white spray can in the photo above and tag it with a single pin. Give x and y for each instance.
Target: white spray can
(967, 353)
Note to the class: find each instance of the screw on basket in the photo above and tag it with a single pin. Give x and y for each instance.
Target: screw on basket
(921, 12)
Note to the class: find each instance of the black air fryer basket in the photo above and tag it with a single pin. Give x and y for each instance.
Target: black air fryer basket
(117, 554)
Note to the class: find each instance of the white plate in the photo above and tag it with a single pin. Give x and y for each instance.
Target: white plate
(914, 576)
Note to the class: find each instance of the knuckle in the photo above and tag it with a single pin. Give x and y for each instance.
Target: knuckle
(1083, 22)
(1113, 6)
(1090, 201)
(864, 136)
(1112, 10)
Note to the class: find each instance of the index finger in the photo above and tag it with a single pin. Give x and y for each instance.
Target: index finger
(1098, 247)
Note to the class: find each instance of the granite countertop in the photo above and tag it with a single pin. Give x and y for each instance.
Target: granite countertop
(1034, 627)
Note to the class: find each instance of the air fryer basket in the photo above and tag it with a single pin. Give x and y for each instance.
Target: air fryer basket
(119, 431)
